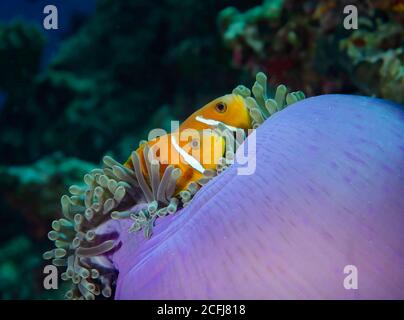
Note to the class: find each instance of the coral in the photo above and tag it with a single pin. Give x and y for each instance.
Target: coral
(29, 201)
(114, 70)
(376, 51)
(304, 43)
(238, 26)
(34, 190)
(327, 193)
(21, 47)
(141, 65)
(23, 44)
(20, 268)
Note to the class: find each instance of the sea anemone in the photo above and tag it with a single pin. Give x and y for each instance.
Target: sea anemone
(326, 194)
(118, 192)
(254, 236)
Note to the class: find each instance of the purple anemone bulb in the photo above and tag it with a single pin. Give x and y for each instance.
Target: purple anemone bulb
(326, 197)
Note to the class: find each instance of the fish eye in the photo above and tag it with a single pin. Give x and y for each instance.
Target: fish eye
(221, 107)
(195, 144)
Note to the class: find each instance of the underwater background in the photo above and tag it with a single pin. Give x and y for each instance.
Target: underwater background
(113, 70)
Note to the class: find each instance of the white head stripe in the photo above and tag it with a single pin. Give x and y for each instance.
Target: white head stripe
(211, 122)
(187, 157)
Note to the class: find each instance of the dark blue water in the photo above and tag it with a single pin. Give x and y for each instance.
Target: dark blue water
(3, 98)
(71, 14)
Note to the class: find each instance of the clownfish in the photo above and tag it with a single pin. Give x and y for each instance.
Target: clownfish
(192, 155)
(197, 154)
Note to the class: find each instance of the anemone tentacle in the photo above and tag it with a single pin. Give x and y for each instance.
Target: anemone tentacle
(260, 105)
(78, 246)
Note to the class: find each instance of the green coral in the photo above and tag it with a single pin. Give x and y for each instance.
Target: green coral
(21, 47)
(20, 267)
(237, 25)
(35, 189)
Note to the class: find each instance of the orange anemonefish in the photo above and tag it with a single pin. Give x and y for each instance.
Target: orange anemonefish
(198, 152)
